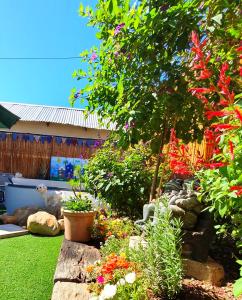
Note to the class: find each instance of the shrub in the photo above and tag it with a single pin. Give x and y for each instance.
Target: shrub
(121, 178)
(162, 256)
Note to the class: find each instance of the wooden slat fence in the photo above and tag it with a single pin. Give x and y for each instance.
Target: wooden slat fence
(32, 159)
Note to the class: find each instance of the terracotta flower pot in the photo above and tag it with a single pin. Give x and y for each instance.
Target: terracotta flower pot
(78, 225)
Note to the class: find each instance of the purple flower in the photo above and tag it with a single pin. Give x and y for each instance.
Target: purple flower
(76, 95)
(116, 53)
(127, 126)
(97, 144)
(118, 28)
(110, 174)
(93, 56)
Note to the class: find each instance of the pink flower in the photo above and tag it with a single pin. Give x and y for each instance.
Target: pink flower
(93, 56)
(100, 279)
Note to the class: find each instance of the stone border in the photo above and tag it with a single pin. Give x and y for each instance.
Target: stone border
(70, 274)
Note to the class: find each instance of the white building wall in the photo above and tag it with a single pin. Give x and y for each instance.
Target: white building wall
(58, 130)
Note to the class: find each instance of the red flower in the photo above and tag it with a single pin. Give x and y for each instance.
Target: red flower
(199, 66)
(205, 74)
(195, 38)
(224, 102)
(211, 114)
(237, 188)
(201, 90)
(216, 151)
(215, 165)
(222, 127)
(238, 114)
(231, 150)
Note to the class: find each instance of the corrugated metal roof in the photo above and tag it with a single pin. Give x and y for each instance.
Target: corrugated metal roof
(55, 114)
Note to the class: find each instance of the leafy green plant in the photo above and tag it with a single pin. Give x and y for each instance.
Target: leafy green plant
(237, 288)
(115, 245)
(162, 256)
(135, 77)
(120, 178)
(105, 227)
(78, 203)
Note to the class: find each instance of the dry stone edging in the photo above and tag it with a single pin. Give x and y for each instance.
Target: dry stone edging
(70, 291)
(70, 274)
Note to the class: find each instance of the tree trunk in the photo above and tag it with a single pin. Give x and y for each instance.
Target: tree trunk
(162, 175)
(154, 181)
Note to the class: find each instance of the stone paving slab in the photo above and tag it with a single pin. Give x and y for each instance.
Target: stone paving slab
(11, 230)
(70, 291)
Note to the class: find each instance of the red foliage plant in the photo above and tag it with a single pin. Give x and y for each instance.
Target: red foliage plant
(179, 156)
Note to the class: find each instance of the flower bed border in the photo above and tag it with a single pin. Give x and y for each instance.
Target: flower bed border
(70, 274)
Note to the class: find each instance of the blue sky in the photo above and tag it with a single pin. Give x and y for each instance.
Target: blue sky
(41, 28)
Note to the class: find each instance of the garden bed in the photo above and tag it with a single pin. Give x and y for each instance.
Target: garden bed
(70, 277)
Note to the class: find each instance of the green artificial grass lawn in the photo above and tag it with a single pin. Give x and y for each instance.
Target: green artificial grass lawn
(27, 266)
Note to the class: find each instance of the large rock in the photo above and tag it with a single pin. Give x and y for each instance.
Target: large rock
(209, 271)
(43, 223)
(23, 213)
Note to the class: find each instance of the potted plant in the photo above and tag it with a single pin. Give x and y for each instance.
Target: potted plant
(78, 218)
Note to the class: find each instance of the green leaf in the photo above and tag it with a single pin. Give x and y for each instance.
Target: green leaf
(237, 289)
(223, 209)
(108, 186)
(224, 171)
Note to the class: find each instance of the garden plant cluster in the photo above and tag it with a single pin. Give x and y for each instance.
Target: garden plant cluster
(167, 73)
